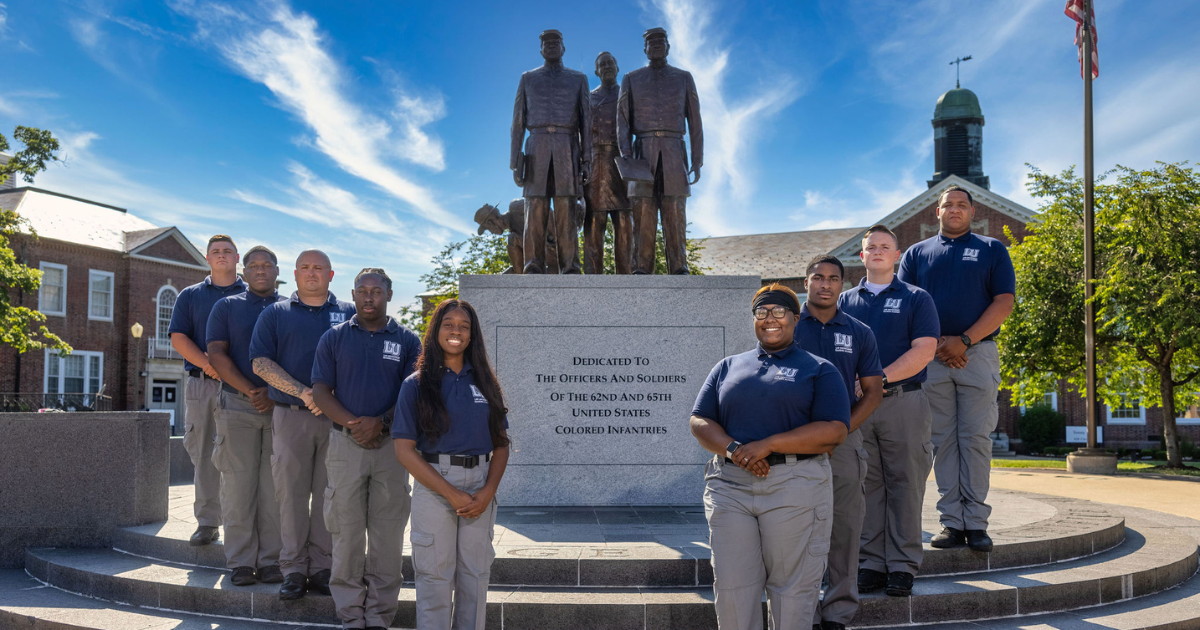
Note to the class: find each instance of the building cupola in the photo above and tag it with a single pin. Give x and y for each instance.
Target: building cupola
(958, 138)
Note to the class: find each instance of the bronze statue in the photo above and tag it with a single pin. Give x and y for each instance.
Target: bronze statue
(552, 103)
(490, 219)
(655, 103)
(606, 191)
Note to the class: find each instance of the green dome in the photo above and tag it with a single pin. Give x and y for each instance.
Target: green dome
(957, 103)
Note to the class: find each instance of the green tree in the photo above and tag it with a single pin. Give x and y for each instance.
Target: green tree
(21, 327)
(488, 254)
(1147, 291)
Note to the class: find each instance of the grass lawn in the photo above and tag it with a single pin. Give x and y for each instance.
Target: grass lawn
(1149, 466)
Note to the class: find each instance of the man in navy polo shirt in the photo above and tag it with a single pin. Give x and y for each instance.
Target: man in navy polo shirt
(896, 436)
(188, 321)
(282, 349)
(972, 282)
(243, 449)
(849, 345)
(356, 377)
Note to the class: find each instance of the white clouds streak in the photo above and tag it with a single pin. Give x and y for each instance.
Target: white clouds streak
(284, 51)
(730, 124)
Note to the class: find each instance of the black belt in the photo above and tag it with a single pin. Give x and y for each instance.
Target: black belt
(230, 389)
(198, 373)
(387, 429)
(292, 407)
(659, 134)
(553, 129)
(907, 387)
(466, 461)
(774, 459)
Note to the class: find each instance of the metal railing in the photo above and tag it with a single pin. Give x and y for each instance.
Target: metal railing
(160, 348)
(31, 401)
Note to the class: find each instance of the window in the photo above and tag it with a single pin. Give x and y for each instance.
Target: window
(1129, 411)
(1189, 414)
(1050, 399)
(52, 297)
(75, 378)
(166, 306)
(100, 295)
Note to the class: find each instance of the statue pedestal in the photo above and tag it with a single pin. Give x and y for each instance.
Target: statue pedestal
(1092, 461)
(600, 374)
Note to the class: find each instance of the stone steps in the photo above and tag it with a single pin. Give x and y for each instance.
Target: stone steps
(1071, 529)
(1150, 559)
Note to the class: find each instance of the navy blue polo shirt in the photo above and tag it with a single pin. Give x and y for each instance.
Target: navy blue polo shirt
(757, 394)
(232, 321)
(466, 407)
(192, 308)
(365, 368)
(287, 333)
(897, 315)
(962, 275)
(845, 342)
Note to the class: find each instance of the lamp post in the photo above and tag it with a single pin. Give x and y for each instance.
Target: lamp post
(136, 330)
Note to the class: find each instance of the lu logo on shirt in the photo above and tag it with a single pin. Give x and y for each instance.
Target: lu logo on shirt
(391, 351)
(479, 397)
(970, 254)
(843, 343)
(787, 374)
(336, 318)
(892, 305)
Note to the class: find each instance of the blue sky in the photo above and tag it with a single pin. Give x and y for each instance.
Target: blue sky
(374, 129)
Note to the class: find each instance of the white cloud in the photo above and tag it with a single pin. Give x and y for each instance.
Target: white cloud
(285, 52)
(731, 124)
(3, 19)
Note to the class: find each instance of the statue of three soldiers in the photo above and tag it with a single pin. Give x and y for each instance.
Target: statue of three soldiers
(576, 140)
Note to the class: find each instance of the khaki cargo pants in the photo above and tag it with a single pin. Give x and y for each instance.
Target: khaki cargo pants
(249, 509)
(199, 430)
(298, 468)
(849, 465)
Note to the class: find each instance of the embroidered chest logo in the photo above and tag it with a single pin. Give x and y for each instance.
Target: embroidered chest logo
(843, 343)
(970, 254)
(391, 351)
(479, 397)
(787, 374)
(336, 318)
(892, 305)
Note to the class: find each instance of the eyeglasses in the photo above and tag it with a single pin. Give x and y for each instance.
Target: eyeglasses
(778, 312)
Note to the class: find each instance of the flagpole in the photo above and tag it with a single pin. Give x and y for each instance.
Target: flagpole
(1089, 230)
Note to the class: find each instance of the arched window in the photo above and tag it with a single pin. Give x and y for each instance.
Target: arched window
(166, 305)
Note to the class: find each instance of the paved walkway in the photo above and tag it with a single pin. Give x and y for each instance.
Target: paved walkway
(1180, 497)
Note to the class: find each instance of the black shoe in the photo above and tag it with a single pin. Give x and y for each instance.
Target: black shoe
(295, 585)
(832, 625)
(243, 576)
(205, 535)
(375, 628)
(948, 538)
(816, 626)
(270, 575)
(319, 582)
(899, 584)
(978, 540)
(870, 580)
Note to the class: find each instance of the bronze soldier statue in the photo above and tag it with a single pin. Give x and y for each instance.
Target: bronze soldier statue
(552, 103)
(490, 219)
(606, 192)
(656, 102)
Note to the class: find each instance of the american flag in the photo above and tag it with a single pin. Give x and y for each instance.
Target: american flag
(1075, 11)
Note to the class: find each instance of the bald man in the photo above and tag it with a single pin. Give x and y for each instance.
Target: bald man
(282, 349)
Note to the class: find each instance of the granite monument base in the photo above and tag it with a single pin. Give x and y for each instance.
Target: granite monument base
(70, 479)
(600, 374)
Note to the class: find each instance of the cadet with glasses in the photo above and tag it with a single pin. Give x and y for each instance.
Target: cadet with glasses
(356, 377)
(770, 415)
(188, 320)
(244, 447)
(451, 434)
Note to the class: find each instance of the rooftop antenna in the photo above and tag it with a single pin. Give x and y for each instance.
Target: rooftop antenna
(957, 63)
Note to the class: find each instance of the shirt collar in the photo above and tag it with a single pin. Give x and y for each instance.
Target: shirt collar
(782, 354)
(255, 298)
(467, 367)
(391, 325)
(965, 238)
(839, 317)
(237, 284)
(331, 299)
(895, 285)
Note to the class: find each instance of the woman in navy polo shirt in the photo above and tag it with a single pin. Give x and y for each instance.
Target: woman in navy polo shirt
(771, 415)
(450, 432)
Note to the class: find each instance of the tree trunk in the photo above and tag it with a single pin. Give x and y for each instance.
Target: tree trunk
(1170, 433)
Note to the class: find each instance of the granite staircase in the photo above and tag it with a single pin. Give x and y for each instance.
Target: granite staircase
(1058, 564)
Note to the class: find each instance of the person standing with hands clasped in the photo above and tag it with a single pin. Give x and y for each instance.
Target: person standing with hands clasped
(451, 434)
(771, 415)
(973, 285)
(356, 377)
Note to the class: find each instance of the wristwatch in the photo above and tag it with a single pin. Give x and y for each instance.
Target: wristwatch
(966, 340)
(733, 446)
(885, 381)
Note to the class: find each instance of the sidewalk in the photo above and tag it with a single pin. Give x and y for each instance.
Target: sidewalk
(1180, 497)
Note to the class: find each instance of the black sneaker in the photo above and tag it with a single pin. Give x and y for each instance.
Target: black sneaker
(832, 625)
(243, 576)
(870, 580)
(270, 575)
(899, 584)
(204, 535)
(948, 538)
(295, 585)
(319, 582)
(978, 540)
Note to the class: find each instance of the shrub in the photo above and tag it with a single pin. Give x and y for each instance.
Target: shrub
(1160, 455)
(1041, 426)
(1186, 448)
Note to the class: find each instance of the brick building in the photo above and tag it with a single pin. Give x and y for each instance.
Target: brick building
(958, 145)
(103, 271)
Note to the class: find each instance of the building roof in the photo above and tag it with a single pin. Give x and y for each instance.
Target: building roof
(770, 256)
(957, 103)
(70, 219)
